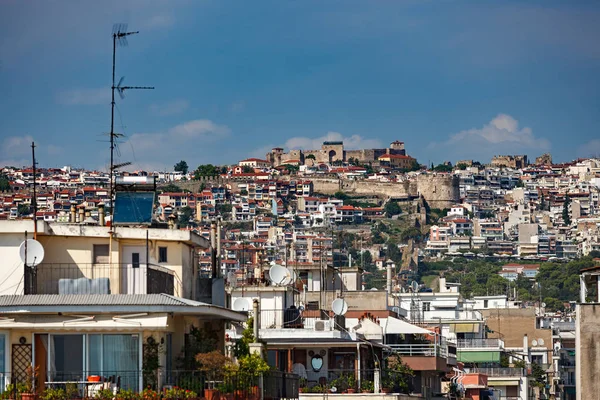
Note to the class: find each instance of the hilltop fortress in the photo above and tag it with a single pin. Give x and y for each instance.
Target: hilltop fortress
(331, 152)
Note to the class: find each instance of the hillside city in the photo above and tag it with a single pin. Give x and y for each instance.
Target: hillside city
(348, 270)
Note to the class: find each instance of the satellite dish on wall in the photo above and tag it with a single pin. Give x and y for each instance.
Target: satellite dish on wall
(35, 252)
(293, 276)
(534, 343)
(415, 286)
(339, 306)
(241, 304)
(540, 341)
(278, 274)
(543, 305)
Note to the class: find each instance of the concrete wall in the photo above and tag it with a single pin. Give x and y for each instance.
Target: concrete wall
(511, 324)
(587, 354)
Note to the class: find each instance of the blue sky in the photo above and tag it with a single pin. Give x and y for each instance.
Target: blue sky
(452, 79)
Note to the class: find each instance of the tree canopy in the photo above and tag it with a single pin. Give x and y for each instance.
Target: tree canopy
(206, 170)
(181, 166)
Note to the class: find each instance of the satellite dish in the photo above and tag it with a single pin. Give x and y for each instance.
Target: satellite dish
(35, 252)
(339, 307)
(292, 273)
(415, 286)
(543, 305)
(278, 274)
(541, 341)
(241, 304)
(534, 343)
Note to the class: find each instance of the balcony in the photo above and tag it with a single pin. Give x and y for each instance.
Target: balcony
(499, 372)
(480, 344)
(425, 350)
(295, 318)
(100, 279)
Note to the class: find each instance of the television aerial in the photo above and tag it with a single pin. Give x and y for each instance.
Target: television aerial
(339, 306)
(241, 304)
(31, 252)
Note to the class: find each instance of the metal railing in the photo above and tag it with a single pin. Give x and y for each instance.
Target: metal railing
(71, 278)
(421, 349)
(480, 343)
(155, 384)
(295, 318)
(517, 372)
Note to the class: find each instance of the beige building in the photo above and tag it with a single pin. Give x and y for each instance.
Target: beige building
(587, 337)
(101, 302)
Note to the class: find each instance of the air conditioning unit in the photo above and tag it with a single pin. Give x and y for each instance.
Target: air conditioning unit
(320, 325)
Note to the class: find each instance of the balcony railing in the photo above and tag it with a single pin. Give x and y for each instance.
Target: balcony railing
(294, 318)
(421, 349)
(77, 385)
(113, 278)
(494, 372)
(480, 343)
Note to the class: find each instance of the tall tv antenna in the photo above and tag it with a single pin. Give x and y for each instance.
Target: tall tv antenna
(119, 36)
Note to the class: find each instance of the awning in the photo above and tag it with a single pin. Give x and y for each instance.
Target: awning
(492, 383)
(464, 328)
(393, 325)
(80, 322)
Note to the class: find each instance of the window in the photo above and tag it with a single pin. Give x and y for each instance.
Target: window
(100, 254)
(162, 254)
(426, 306)
(485, 304)
(135, 260)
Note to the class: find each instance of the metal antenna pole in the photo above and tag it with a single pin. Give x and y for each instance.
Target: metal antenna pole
(119, 36)
(34, 193)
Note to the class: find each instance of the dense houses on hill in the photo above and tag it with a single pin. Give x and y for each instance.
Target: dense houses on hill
(267, 231)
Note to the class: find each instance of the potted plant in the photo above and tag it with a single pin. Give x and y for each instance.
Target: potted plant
(54, 394)
(214, 364)
(29, 385)
(351, 383)
(367, 386)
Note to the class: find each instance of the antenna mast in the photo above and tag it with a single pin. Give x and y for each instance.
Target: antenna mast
(119, 37)
(34, 194)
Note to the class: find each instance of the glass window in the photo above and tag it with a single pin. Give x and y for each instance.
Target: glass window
(66, 357)
(100, 255)
(116, 355)
(2, 360)
(162, 254)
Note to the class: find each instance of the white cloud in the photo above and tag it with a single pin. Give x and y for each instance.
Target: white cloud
(84, 97)
(159, 21)
(502, 135)
(354, 142)
(192, 141)
(171, 108)
(590, 149)
(17, 145)
(238, 106)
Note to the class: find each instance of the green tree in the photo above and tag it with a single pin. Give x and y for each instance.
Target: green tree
(461, 166)
(24, 209)
(181, 166)
(311, 157)
(392, 208)
(206, 170)
(443, 168)
(185, 214)
(565, 211)
(171, 188)
(246, 169)
(242, 346)
(4, 183)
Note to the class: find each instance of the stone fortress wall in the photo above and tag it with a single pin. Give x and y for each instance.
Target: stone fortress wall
(331, 152)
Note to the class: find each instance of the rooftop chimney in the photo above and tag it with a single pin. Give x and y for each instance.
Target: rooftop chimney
(73, 218)
(101, 214)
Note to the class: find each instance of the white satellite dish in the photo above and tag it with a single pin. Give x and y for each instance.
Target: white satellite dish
(339, 307)
(293, 276)
(541, 341)
(543, 305)
(35, 252)
(241, 304)
(415, 286)
(278, 274)
(534, 343)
